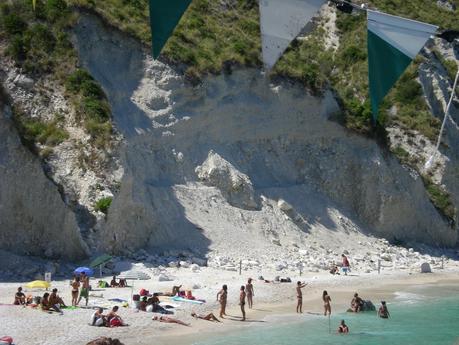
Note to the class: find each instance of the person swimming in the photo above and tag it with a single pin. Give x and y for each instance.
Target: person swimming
(383, 312)
(343, 328)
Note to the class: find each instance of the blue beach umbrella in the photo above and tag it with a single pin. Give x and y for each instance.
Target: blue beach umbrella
(86, 270)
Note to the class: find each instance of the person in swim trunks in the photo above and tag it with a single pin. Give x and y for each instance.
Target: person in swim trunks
(242, 296)
(299, 295)
(84, 292)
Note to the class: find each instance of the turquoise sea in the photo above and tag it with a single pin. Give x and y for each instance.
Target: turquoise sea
(425, 316)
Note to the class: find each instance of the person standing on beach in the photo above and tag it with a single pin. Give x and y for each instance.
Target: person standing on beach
(242, 296)
(84, 292)
(327, 299)
(75, 287)
(346, 267)
(299, 295)
(222, 297)
(250, 293)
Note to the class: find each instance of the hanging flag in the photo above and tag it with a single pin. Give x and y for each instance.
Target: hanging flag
(280, 22)
(164, 17)
(393, 42)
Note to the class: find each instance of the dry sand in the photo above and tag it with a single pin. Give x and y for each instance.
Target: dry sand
(34, 327)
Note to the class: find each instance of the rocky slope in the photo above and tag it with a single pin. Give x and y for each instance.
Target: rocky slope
(237, 164)
(279, 138)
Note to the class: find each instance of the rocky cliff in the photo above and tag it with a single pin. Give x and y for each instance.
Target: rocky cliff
(34, 220)
(275, 134)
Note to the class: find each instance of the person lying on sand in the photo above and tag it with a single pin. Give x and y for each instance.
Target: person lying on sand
(356, 303)
(208, 317)
(19, 297)
(343, 327)
(167, 319)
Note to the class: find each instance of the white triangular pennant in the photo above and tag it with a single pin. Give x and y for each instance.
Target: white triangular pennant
(280, 22)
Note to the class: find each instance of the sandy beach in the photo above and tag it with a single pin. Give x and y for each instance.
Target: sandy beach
(273, 303)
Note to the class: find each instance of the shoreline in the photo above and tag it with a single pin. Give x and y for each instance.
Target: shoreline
(274, 304)
(279, 314)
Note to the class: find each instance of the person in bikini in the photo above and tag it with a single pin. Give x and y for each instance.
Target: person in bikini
(167, 319)
(299, 295)
(343, 328)
(249, 292)
(75, 287)
(208, 317)
(222, 298)
(327, 299)
(242, 296)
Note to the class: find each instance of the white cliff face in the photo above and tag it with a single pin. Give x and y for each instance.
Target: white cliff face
(277, 137)
(34, 220)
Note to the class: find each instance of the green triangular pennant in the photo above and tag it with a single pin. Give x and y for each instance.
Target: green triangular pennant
(164, 17)
(393, 42)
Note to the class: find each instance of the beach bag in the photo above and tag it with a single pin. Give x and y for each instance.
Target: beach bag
(136, 297)
(144, 292)
(99, 322)
(6, 340)
(115, 322)
(149, 308)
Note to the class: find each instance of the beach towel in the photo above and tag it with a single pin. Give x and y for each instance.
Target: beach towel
(117, 300)
(181, 299)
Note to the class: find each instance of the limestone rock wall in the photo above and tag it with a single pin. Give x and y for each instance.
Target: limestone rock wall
(33, 218)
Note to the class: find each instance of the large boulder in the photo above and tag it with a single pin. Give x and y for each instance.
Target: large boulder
(235, 186)
(425, 268)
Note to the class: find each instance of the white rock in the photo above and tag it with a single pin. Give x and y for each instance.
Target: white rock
(164, 278)
(184, 264)
(284, 205)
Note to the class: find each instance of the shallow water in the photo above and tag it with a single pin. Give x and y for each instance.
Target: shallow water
(423, 316)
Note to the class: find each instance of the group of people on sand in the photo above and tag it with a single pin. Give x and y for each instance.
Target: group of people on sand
(246, 292)
(80, 288)
(111, 319)
(48, 302)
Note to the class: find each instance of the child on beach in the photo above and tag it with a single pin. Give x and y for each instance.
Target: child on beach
(327, 299)
(222, 298)
(299, 295)
(383, 312)
(250, 293)
(242, 296)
